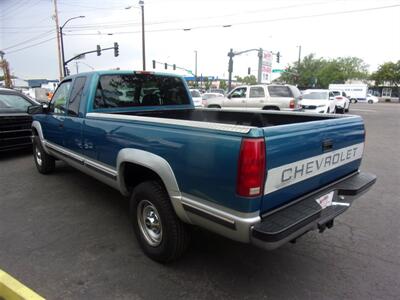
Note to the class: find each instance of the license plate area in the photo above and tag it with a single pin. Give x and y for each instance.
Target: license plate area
(325, 200)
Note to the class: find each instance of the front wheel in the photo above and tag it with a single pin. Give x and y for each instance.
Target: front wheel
(370, 101)
(161, 235)
(44, 162)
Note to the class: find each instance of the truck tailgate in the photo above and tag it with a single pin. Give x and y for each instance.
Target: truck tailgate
(304, 157)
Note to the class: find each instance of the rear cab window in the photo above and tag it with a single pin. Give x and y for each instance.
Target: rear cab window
(257, 92)
(279, 91)
(136, 90)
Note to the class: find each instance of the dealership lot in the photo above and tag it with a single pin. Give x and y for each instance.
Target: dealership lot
(68, 236)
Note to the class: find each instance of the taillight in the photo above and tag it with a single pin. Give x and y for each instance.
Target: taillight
(251, 168)
(291, 103)
(339, 98)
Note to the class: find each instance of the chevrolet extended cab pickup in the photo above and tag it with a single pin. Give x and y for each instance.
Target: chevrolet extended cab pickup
(259, 177)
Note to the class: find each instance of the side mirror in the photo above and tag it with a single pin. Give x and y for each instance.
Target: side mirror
(37, 109)
(229, 96)
(331, 98)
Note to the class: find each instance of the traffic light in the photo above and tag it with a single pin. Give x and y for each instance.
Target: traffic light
(278, 57)
(174, 67)
(154, 64)
(248, 71)
(116, 49)
(98, 50)
(166, 66)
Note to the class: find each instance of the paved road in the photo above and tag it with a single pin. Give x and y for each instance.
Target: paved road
(68, 237)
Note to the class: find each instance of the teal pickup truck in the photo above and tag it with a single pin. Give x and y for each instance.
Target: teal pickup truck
(260, 177)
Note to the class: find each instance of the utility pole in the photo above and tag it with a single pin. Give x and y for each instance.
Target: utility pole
(195, 67)
(230, 69)
(260, 64)
(141, 3)
(60, 67)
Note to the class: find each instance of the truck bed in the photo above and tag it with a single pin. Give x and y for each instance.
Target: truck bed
(249, 118)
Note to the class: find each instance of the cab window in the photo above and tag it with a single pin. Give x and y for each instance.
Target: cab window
(76, 95)
(59, 101)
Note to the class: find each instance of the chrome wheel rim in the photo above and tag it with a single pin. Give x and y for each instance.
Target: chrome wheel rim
(149, 222)
(38, 156)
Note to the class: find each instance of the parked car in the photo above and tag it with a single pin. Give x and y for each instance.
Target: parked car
(206, 96)
(318, 101)
(15, 122)
(266, 97)
(196, 97)
(342, 101)
(245, 175)
(372, 99)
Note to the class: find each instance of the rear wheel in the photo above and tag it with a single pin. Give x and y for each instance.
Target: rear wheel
(161, 235)
(44, 162)
(348, 108)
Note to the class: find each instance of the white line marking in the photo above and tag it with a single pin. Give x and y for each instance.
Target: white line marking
(369, 110)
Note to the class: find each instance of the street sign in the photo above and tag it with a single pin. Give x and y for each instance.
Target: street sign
(277, 71)
(266, 68)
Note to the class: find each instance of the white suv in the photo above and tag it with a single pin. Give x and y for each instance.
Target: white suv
(267, 97)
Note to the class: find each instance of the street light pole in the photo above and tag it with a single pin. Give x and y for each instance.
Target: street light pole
(141, 3)
(62, 42)
(195, 67)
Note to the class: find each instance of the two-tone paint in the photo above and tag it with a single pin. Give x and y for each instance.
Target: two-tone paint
(197, 163)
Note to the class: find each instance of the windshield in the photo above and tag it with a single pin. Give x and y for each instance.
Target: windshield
(195, 94)
(316, 95)
(14, 102)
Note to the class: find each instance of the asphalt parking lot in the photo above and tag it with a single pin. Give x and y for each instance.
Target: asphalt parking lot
(67, 236)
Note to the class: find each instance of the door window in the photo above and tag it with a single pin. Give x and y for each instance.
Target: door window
(59, 101)
(257, 92)
(239, 93)
(76, 95)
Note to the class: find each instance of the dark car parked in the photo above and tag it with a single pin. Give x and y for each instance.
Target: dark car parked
(15, 122)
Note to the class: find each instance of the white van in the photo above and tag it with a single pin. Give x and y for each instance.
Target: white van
(355, 92)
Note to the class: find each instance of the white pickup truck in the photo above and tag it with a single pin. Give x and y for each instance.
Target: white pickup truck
(266, 97)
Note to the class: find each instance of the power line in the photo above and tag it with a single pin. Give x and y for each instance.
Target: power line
(28, 40)
(31, 46)
(247, 22)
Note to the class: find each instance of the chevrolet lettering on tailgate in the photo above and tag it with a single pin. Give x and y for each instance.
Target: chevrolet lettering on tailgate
(292, 173)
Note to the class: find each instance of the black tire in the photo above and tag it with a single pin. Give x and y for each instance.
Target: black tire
(348, 108)
(44, 162)
(370, 102)
(214, 106)
(151, 196)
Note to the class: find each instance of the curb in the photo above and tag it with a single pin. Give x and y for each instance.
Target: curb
(12, 289)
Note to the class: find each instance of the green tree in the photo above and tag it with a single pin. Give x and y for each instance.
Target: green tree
(388, 72)
(223, 85)
(249, 80)
(207, 83)
(320, 72)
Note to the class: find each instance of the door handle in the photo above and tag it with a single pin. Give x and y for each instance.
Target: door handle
(61, 125)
